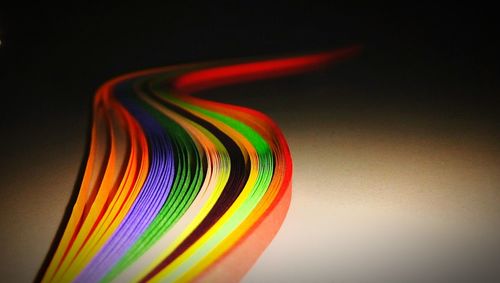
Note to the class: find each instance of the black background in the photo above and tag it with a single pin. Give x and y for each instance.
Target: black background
(54, 55)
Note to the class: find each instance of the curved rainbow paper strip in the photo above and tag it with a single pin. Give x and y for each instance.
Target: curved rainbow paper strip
(177, 188)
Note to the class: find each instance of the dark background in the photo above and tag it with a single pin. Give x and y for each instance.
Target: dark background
(434, 64)
(54, 52)
(54, 55)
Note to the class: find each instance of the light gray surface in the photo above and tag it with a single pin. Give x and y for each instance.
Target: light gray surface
(382, 202)
(381, 192)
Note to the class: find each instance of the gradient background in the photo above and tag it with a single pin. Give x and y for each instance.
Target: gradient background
(396, 152)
